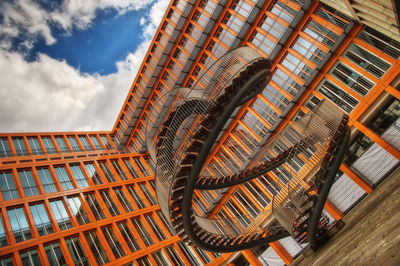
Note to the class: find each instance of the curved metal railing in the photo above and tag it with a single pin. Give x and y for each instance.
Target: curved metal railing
(189, 124)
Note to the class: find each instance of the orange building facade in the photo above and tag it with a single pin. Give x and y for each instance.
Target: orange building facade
(89, 197)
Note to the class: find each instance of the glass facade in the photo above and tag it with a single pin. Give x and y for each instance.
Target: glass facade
(77, 198)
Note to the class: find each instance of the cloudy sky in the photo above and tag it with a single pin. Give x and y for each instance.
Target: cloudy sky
(67, 65)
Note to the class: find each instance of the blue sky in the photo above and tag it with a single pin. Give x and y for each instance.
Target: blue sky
(67, 65)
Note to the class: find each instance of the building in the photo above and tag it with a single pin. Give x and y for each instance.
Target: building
(89, 197)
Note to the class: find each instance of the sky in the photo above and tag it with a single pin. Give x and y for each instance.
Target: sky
(67, 65)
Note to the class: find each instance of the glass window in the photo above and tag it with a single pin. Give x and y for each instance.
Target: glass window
(119, 170)
(143, 261)
(30, 258)
(47, 180)
(128, 236)
(41, 218)
(96, 143)
(368, 61)
(94, 175)
(61, 215)
(113, 242)
(147, 193)
(141, 166)
(105, 194)
(34, 144)
(54, 254)
(190, 254)
(203, 255)
(97, 248)
(174, 255)
(48, 144)
(4, 148)
(19, 146)
(28, 183)
(139, 202)
(107, 172)
(341, 98)
(7, 186)
(131, 169)
(85, 143)
(19, 224)
(61, 144)
(380, 41)
(63, 178)
(74, 144)
(79, 176)
(160, 257)
(3, 237)
(154, 226)
(77, 253)
(257, 193)
(105, 141)
(78, 210)
(166, 223)
(94, 206)
(246, 203)
(123, 199)
(352, 79)
(144, 235)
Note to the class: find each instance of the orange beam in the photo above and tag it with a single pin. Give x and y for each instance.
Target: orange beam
(356, 178)
(282, 252)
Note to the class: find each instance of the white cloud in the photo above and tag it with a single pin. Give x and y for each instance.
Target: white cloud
(50, 95)
(26, 18)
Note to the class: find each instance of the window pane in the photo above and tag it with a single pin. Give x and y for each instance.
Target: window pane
(94, 206)
(61, 215)
(119, 170)
(147, 193)
(63, 178)
(139, 202)
(141, 167)
(74, 144)
(7, 186)
(109, 203)
(79, 176)
(48, 144)
(131, 169)
(174, 255)
(113, 242)
(128, 236)
(19, 146)
(41, 218)
(28, 183)
(97, 249)
(4, 148)
(144, 235)
(95, 142)
(107, 172)
(47, 180)
(3, 237)
(94, 175)
(61, 144)
(54, 254)
(154, 226)
(85, 143)
(19, 224)
(35, 147)
(30, 258)
(78, 210)
(77, 253)
(123, 199)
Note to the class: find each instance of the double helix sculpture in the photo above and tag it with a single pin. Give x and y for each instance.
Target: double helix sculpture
(182, 133)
